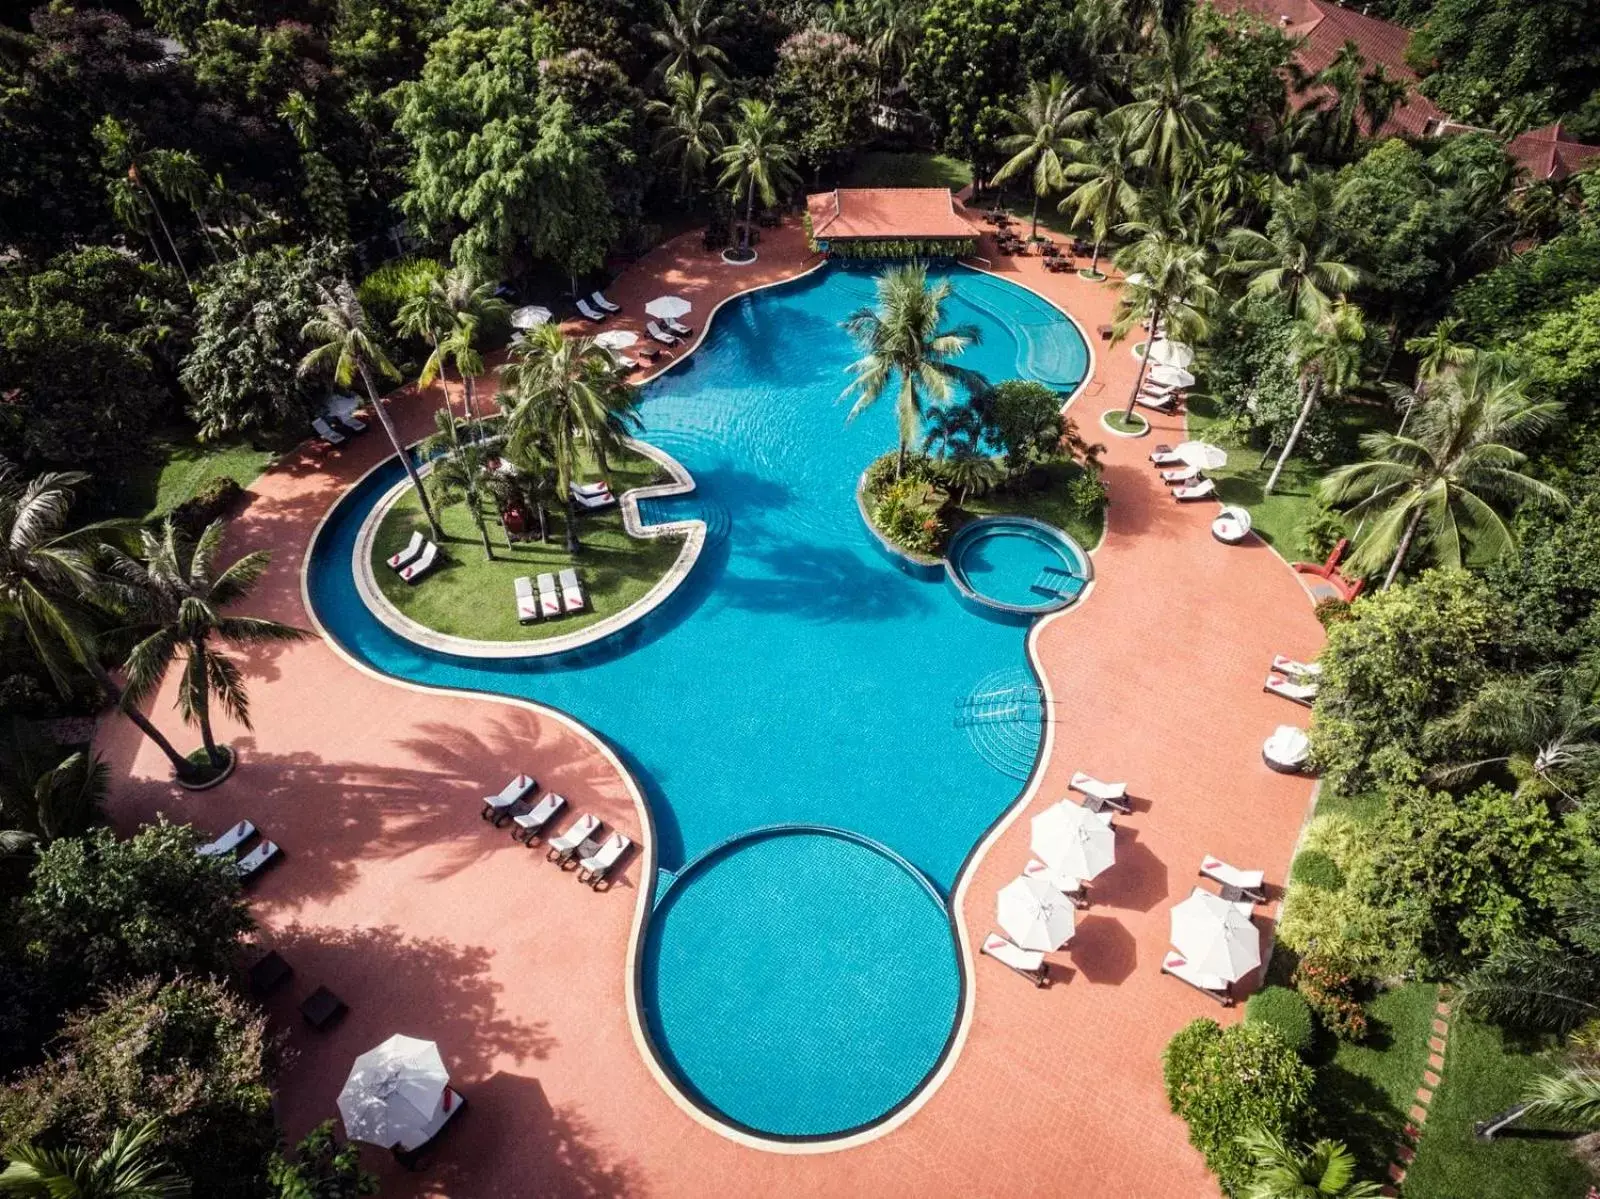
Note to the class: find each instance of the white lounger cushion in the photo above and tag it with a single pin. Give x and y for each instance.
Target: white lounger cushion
(677, 328)
(598, 488)
(1291, 666)
(1178, 966)
(583, 500)
(1090, 785)
(541, 812)
(603, 304)
(424, 561)
(571, 591)
(327, 432)
(605, 856)
(1299, 692)
(659, 334)
(1198, 492)
(588, 312)
(527, 606)
(576, 835)
(229, 841)
(511, 793)
(1232, 876)
(1029, 961)
(1166, 459)
(549, 598)
(411, 550)
(257, 858)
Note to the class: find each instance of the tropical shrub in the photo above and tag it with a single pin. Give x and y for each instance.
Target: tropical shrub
(1326, 908)
(212, 502)
(1087, 493)
(1505, 302)
(1226, 1081)
(1322, 530)
(883, 472)
(1023, 419)
(904, 515)
(1331, 611)
(1285, 1011)
(1329, 985)
(1314, 868)
(321, 1168)
(385, 290)
(899, 248)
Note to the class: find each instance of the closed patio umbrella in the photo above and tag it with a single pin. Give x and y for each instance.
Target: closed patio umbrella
(1034, 914)
(1073, 840)
(1215, 936)
(668, 308)
(1171, 376)
(1201, 455)
(530, 317)
(616, 339)
(393, 1092)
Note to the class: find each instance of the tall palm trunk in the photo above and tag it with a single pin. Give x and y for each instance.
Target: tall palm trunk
(544, 521)
(1403, 549)
(573, 545)
(162, 221)
(405, 458)
(749, 213)
(1144, 366)
(1313, 393)
(181, 766)
(1035, 234)
(1094, 261)
(200, 700)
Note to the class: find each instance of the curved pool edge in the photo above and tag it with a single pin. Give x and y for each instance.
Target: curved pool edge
(981, 604)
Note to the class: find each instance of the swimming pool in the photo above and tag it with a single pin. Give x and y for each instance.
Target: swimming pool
(796, 677)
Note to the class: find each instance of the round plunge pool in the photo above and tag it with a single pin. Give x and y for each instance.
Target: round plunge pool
(1015, 565)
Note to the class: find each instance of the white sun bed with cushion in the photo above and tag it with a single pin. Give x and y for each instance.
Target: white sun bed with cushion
(1295, 668)
(1159, 403)
(1243, 883)
(603, 500)
(1180, 474)
(549, 597)
(599, 487)
(589, 313)
(657, 333)
(1213, 985)
(531, 823)
(253, 862)
(677, 328)
(527, 606)
(1073, 888)
(1027, 962)
(327, 432)
(1163, 455)
(1205, 489)
(498, 807)
(593, 865)
(571, 591)
(229, 841)
(423, 564)
(409, 554)
(1100, 793)
(564, 845)
(1300, 693)
(598, 299)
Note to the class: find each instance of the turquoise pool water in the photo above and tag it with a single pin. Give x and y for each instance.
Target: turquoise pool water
(1018, 564)
(795, 677)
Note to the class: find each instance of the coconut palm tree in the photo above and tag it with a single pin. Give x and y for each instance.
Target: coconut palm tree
(1169, 116)
(690, 133)
(687, 36)
(344, 346)
(458, 472)
(51, 587)
(127, 1168)
(1042, 140)
(890, 30)
(1105, 194)
(178, 175)
(952, 429)
(1296, 257)
(448, 315)
(131, 198)
(1437, 481)
(905, 348)
(1438, 352)
(1328, 352)
(757, 160)
(179, 592)
(967, 472)
(1324, 1170)
(1166, 285)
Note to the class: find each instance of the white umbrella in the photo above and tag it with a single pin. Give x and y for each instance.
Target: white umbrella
(1170, 353)
(1137, 279)
(1171, 376)
(1034, 914)
(393, 1091)
(1215, 936)
(1202, 455)
(530, 317)
(1075, 841)
(668, 308)
(616, 339)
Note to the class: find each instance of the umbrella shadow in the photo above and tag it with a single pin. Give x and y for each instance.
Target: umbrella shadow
(1103, 950)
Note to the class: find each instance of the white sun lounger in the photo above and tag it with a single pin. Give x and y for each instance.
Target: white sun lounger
(564, 845)
(1300, 693)
(589, 313)
(657, 333)
(1073, 888)
(229, 841)
(253, 862)
(549, 598)
(599, 487)
(531, 823)
(599, 300)
(1159, 403)
(527, 606)
(1101, 793)
(593, 866)
(1165, 456)
(1213, 985)
(1236, 884)
(423, 564)
(1203, 490)
(1027, 962)
(1296, 669)
(677, 328)
(602, 500)
(1180, 474)
(571, 590)
(408, 555)
(498, 807)
(328, 433)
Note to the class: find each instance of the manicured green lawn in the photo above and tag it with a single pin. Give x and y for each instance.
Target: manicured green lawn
(1047, 501)
(469, 596)
(176, 467)
(887, 168)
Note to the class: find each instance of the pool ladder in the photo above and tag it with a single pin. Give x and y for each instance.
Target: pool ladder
(1002, 718)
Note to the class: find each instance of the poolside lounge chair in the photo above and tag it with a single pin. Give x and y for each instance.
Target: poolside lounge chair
(602, 499)
(598, 299)
(1236, 884)
(549, 599)
(423, 564)
(531, 823)
(1205, 489)
(657, 333)
(593, 866)
(677, 328)
(624, 363)
(572, 597)
(1296, 669)
(498, 807)
(328, 433)
(1027, 962)
(589, 313)
(1158, 403)
(1162, 455)
(564, 845)
(1180, 474)
(350, 424)
(408, 555)
(527, 606)
(228, 842)
(1213, 985)
(256, 860)
(1101, 794)
(1300, 693)
(598, 487)
(1074, 889)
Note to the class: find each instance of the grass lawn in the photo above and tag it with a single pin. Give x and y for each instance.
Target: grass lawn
(177, 467)
(1047, 499)
(887, 168)
(468, 596)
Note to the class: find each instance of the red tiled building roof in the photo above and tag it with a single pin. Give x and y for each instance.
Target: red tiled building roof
(1549, 153)
(886, 212)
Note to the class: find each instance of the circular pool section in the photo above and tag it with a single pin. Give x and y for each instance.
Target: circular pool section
(1014, 564)
(801, 981)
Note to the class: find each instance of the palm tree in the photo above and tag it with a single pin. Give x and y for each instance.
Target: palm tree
(345, 346)
(952, 429)
(1438, 480)
(458, 471)
(1544, 984)
(466, 302)
(1105, 194)
(1048, 115)
(50, 587)
(687, 35)
(905, 347)
(44, 794)
(1324, 1170)
(1296, 257)
(1169, 117)
(691, 133)
(131, 199)
(1571, 1099)
(1438, 352)
(127, 1168)
(1167, 287)
(758, 160)
(180, 592)
(890, 30)
(967, 472)
(178, 175)
(1327, 352)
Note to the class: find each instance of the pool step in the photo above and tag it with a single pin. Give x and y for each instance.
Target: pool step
(1057, 581)
(1003, 716)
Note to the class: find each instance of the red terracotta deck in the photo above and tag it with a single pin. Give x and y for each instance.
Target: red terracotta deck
(426, 921)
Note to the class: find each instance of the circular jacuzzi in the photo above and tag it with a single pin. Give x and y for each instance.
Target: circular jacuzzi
(1016, 566)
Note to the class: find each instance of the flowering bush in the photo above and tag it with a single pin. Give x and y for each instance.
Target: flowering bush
(1328, 985)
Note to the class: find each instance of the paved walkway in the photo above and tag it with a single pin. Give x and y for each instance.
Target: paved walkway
(426, 921)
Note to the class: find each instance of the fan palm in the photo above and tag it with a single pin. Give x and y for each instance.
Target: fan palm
(1042, 142)
(687, 36)
(458, 471)
(127, 1168)
(344, 346)
(1165, 285)
(905, 348)
(757, 160)
(1324, 1170)
(1438, 480)
(690, 134)
(1327, 351)
(1169, 117)
(180, 592)
(1105, 193)
(1296, 257)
